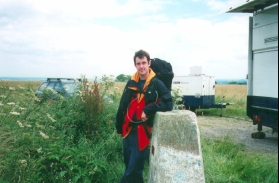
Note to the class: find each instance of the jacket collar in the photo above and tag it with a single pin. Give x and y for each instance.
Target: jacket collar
(151, 75)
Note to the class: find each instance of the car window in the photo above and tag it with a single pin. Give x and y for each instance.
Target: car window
(70, 87)
(58, 88)
(51, 85)
(43, 86)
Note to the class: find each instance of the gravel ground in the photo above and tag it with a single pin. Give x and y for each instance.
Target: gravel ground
(241, 130)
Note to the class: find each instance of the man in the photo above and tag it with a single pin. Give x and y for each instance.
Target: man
(142, 97)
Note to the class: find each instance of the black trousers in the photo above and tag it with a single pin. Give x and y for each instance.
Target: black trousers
(134, 159)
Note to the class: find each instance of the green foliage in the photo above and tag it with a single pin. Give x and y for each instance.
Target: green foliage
(74, 140)
(226, 161)
(237, 83)
(122, 78)
(49, 93)
(177, 98)
(62, 140)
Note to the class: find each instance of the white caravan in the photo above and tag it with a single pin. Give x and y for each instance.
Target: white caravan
(197, 90)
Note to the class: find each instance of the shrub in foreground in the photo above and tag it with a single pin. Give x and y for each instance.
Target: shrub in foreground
(63, 140)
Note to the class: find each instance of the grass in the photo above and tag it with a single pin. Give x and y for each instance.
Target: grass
(74, 140)
(225, 161)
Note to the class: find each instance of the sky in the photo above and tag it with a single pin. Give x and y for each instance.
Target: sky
(74, 38)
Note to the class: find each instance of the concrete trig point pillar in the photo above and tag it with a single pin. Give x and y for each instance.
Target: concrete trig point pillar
(175, 155)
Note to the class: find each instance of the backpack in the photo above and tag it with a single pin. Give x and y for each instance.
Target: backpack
(163, 70)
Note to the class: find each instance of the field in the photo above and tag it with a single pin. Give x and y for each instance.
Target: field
(235, 94)
(32, 84)
(74, 140)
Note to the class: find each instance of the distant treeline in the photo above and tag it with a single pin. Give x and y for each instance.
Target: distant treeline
(231, 82)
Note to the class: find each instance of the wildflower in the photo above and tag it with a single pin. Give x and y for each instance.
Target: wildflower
(2, 96)
(21, 108)
(37, 99)
(15, 113)
(1, 104)
(20, 124)
(23, 162)
(66, 88)
(53, 120)
(39, 150)
(11, 88)
(28, 125)
(44, 135)
(178, 100)
(11, 103)
(40, 126)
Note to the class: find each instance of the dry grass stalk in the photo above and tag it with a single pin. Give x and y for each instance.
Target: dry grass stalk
(33, 84)
(93, 105)
(235, 91)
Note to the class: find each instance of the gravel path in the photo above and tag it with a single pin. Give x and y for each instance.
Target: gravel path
(241, 130)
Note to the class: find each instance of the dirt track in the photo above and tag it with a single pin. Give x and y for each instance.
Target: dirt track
(214, 127)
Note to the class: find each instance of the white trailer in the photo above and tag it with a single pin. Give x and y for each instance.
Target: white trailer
(197, 90)
(262, 91)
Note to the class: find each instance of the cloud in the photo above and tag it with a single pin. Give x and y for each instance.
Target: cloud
(190, 42)
(85, 9)
(63, 39)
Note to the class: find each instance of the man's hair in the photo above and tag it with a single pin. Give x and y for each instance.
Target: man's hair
(140, 54)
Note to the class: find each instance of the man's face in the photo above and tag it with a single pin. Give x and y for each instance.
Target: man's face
(142, 66)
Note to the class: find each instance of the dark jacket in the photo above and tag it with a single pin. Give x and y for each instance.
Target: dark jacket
(156, 96)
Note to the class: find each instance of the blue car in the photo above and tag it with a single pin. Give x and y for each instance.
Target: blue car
(53, 86)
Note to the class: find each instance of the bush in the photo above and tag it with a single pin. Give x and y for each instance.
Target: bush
(62, 140)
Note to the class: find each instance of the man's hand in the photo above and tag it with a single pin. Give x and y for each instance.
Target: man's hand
(143, 117)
